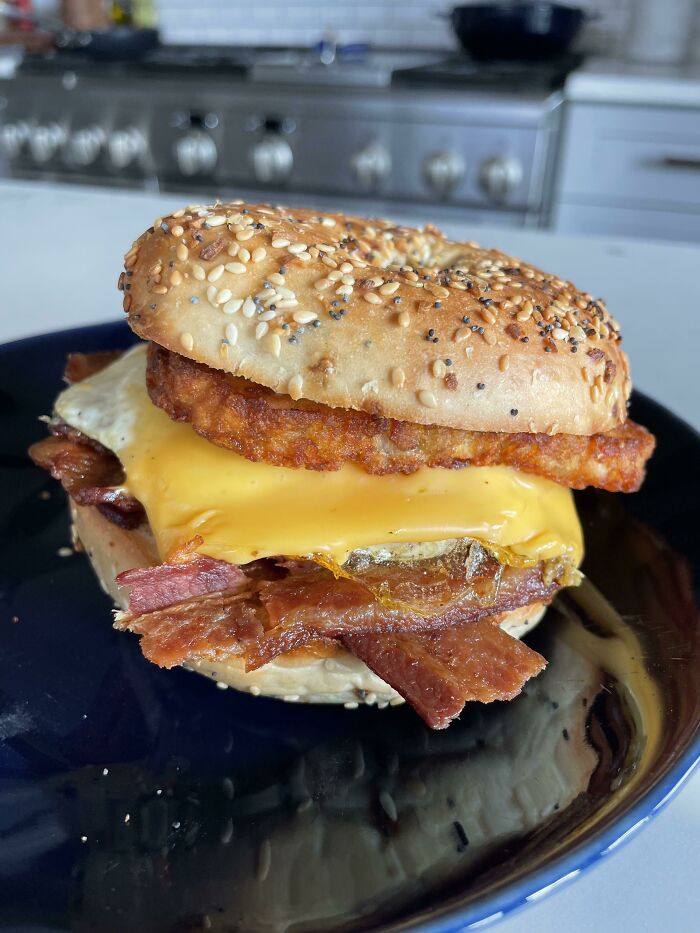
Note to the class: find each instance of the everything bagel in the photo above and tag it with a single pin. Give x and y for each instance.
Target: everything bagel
(367, 315)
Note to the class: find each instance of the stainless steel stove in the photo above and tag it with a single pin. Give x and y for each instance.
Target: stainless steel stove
(374, 131)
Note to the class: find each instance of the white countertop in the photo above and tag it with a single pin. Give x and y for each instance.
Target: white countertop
(60, 255)
(609, 81)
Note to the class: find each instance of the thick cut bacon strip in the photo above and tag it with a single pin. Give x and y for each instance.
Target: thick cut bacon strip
(438, 672)
(209, 627)
(303, 607)
(157, 587)
(88, 472)
(336, 607)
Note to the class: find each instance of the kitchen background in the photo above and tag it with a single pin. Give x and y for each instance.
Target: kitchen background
(368, 106)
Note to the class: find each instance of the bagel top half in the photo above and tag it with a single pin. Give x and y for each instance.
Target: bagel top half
(367, 315)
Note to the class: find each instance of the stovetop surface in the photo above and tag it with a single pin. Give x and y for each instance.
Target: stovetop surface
(455, 71)
(463, 72)
(165, 59)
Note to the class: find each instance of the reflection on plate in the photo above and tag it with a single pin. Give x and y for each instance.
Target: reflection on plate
(150, 800)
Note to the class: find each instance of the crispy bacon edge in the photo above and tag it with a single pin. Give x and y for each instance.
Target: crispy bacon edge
(89, 473)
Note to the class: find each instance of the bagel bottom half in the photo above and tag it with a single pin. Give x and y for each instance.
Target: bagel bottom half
(320, 673)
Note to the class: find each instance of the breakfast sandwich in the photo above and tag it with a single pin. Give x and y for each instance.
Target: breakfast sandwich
(339, 466)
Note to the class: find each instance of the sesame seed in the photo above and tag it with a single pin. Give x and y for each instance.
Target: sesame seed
(280, 243)
(322, 284)
(559, 333)
(268, 315)
(439, 369)
(158, 290)
(372, 299)
(175, 277)
(231, 333)
(503, 362)
(237, 268)
(216, 221)
(398, 377)
(462, 333)
(276, 278)
(216, 273)
(244, 235)
(233, 305)
(248, 309)
(182, 252)
(295, 386)
(427, 398)
(297, 248)
(261, 329)
(187, 341)
(211, 296)
(403, 318)
(304, 317)
(223, 296)
(275, 345)
(259, 254)
(198, 272)
(177, 230)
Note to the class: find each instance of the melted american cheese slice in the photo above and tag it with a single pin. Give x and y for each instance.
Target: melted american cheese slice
(244, 510)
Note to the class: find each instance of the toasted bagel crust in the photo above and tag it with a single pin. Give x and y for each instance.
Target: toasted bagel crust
(366, 315)
(320, 673)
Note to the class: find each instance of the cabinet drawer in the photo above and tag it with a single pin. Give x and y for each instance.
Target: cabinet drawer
(631, 154)
(682, 226)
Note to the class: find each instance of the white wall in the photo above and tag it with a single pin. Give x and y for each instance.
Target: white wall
(394, 23)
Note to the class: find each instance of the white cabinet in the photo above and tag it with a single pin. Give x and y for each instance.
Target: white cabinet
(629, 169)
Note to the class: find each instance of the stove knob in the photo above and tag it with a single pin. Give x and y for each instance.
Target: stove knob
(45, 141)
(371, 166)
(499, 176)
(272, 159)
(196, 154)
(13, 136)
(443, 172)
(125, 147)
(84, 146)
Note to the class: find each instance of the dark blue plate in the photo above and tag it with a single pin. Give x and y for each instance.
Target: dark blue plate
(138, 799)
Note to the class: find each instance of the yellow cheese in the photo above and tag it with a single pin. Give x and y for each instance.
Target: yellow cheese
(243, 510)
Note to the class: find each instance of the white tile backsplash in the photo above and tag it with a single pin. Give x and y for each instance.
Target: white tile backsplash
(393, 23)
